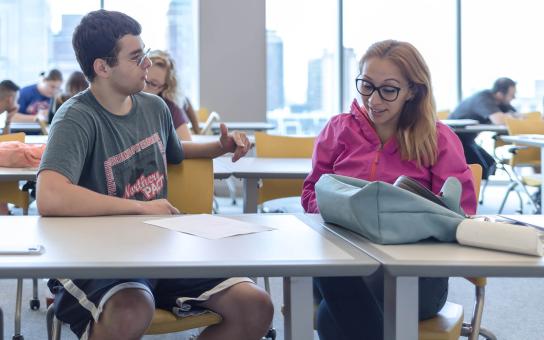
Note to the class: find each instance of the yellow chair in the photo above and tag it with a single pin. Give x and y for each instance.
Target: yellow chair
(524, 157)
(190, 186)
(190, 189)
(443, 114)
(448, 323)
(9, 191)
(275, 146)
(202, 114)
(533, 115)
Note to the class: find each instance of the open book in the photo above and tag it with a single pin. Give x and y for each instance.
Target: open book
(484, 233)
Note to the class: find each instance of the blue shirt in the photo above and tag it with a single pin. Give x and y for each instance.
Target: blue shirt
(31, 100)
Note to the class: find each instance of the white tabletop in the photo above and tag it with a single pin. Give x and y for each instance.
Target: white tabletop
(244, 126)
(459, 122)
(529, 140)
(501, 129)
(124, 246)
(403, 264)
(221, 170)
(260, 167)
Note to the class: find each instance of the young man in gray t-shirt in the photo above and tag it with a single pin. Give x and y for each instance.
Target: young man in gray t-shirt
(107, 155)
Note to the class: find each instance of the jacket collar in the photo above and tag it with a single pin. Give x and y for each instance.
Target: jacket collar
(360, 115)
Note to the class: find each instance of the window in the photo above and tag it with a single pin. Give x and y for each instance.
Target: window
(168, 25)
(502, 39)
(427, 24)
(36, 36)
(302, 64)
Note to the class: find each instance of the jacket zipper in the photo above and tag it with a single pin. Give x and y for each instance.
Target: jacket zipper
(375, 163)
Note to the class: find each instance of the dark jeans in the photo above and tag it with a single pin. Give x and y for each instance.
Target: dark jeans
(475, 154)
(352, 307)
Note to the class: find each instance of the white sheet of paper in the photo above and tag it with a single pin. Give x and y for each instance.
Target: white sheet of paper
(208, 226)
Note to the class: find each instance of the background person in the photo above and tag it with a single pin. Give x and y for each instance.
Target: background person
(75, 84)
(8, 104)
(35, 100)
(487, 107)
(161, 81)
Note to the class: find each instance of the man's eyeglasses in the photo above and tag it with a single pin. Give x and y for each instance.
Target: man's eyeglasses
(387, 92)
(139, 60)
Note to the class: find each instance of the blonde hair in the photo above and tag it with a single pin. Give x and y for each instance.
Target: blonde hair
(163, 60)
(416, 131)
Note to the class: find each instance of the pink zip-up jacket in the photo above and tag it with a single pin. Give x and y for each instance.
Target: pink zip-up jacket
(349, 146)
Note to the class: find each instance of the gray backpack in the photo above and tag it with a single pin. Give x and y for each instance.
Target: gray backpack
(390, 214)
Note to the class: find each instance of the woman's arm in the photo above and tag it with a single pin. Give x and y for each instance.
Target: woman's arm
(325, 153)
(191, 114)
(451, 163)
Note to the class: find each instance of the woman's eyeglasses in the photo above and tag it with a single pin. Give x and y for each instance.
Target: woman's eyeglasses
(154, 85)
(387, 92)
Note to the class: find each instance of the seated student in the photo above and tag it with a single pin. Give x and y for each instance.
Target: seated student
(161, 80)
(487, 107)
(36, 100)
(394, 132)
(8, 96)
(108, 148)
(76, 83)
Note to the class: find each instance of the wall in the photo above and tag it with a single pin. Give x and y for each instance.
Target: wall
(232, 58)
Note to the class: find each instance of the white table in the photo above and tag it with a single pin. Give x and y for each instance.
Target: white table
(403, 264)
(500, 129)
(243, 126)
(535, 141)
(221, 170)
(251, 169)
(123, 246)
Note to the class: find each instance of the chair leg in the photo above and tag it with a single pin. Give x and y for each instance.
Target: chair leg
(487, 334)
(486, 182)
(35, 302)
(1, 324)
(511, 187)
(18, 302)
(53, 324)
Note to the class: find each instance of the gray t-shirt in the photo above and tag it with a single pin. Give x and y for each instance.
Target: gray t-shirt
(123, 156)
(479, 107)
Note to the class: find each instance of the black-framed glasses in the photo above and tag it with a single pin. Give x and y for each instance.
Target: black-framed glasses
(388, 93)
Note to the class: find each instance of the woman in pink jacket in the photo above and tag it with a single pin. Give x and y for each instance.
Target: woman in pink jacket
(394, 132)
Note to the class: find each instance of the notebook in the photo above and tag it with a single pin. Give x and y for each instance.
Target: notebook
(505, 234)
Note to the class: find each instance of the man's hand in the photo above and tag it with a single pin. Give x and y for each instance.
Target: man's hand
(236, 142)
(158, 207)
(11, 112)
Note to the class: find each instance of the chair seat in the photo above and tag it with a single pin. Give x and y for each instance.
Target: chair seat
(166, 322)
(446, 325)
(532, 180)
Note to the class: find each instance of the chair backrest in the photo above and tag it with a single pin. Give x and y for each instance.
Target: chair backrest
(190, 186)
(476, 177)
(529, 156)
(13, 137)
(202, 114)
(276, 146)
(443, 114)
(533, 115)
(207, 127)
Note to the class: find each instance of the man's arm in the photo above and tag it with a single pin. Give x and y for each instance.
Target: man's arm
(57, 196)
(499, 118)
(236, 142)
(24, 118)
